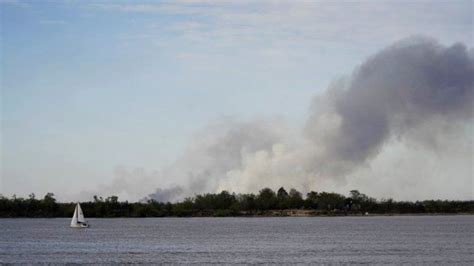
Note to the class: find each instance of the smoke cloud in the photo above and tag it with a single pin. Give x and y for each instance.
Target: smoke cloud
(410, 85)
(404, 110)
(165, 195)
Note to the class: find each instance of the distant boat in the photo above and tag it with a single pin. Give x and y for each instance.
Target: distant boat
(78, 220)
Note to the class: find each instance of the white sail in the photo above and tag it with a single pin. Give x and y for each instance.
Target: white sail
(78, 220)
(80, 215)
(74, 217)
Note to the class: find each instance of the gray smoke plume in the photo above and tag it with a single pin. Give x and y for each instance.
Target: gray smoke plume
(165, 195)
(406, 86)
(406, 110)
(220, 148)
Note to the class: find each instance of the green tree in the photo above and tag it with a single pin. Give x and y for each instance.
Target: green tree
(295, 199)
(247, 202)
(49, 204)
(283, 201)
(331, 201)
(224, 200)
(311, 200)
(266, 199)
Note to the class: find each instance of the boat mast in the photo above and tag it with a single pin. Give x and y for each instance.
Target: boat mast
(77, 213)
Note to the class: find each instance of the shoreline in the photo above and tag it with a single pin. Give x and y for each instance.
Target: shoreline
(265, 216)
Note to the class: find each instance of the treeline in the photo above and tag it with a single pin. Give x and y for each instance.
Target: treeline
(266, 202)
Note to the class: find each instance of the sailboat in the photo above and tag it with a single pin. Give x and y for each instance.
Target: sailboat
(78, 220)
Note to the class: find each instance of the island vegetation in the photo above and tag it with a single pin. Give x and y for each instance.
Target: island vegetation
(266, 203)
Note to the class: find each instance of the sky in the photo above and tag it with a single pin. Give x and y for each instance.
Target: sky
(92, 91)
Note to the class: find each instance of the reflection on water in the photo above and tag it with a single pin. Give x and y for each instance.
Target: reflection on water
(375, 240)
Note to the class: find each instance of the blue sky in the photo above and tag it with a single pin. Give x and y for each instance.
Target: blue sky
(87, 86)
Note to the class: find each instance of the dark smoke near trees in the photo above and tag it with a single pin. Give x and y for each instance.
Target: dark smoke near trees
(416, 92)
(164, 195)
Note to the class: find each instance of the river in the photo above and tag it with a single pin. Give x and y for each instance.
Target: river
(373, 240)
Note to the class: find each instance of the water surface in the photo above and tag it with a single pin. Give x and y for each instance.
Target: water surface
(374, 240)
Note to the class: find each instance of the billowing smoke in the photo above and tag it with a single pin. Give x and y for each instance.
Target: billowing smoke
(409, 85)
(412, 98)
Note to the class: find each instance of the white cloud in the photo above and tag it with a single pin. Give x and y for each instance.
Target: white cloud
(292, 30)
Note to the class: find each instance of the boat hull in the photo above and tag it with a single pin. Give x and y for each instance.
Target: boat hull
(80, 226)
